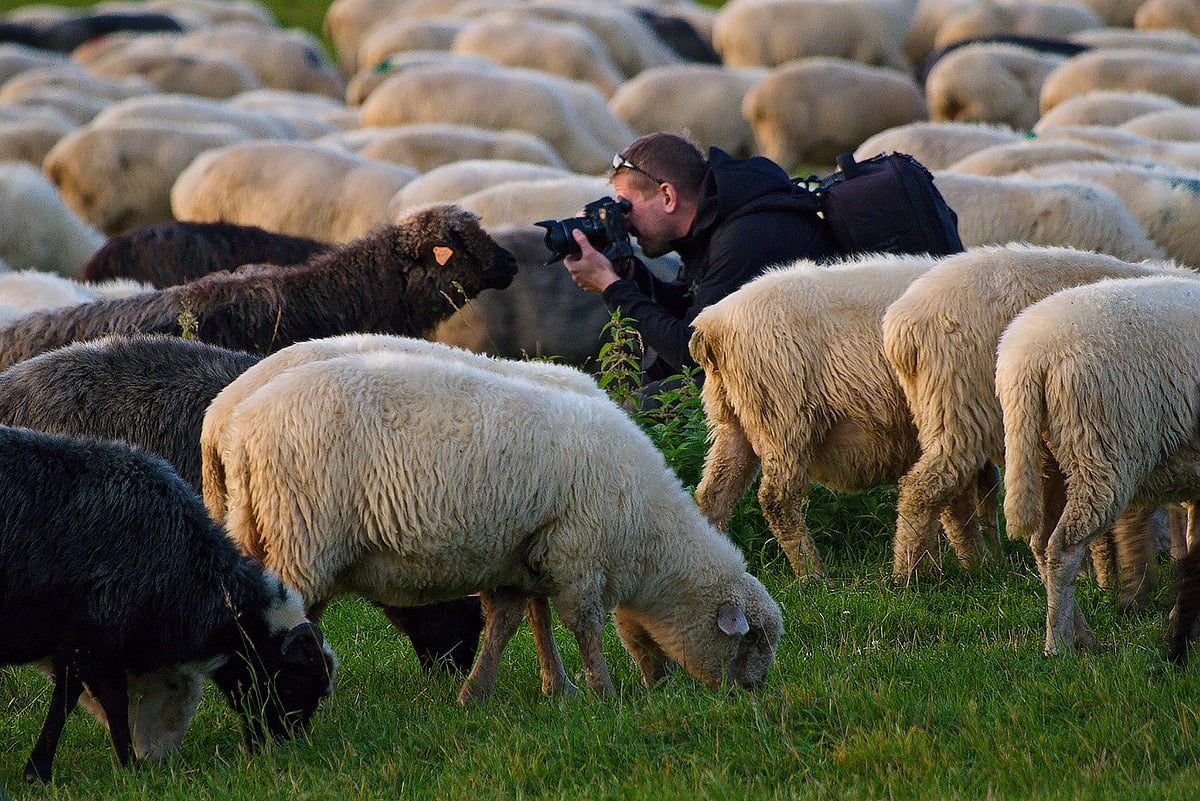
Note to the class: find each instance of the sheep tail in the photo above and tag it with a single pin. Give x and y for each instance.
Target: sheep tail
(1023, 401)
(212, 476)
(702, 350)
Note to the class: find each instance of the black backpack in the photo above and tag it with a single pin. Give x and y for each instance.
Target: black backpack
(887, 203)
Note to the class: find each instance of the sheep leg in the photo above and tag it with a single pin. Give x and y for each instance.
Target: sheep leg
(584, 616)
(929, 485)
(1187, 607)
(649, 656)
(1063, 617)
(65, 695)
(987, 495)
(554, 677)
(1183, 519)
(112, 693)
(781, 492)
(1103, 560)
(1135, 558)
(729, 469)
(961, 525)
(502, 613)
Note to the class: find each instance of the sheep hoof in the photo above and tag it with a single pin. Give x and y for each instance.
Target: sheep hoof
(563, 688)
(472, 694)
(36, 772)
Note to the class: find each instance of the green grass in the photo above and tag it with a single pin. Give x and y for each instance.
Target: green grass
(937, 690)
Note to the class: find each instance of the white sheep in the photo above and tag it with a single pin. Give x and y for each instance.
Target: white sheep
(119, 175)
(927, 17)
(1166, 201)
(407, 33)
(525, 202)
(187, 110)
(940, 339)
(367, 81)
(813, 109)
(998, 210)
(1106, 107)
(700, 101)
(767, 33)
(572, 117)
(448, 183)
(1130, 69)
(989, 82)
(796, 380)
(1025, 154)
(1137, 148)
(347, 23)
(1043, 18)
(523, 40)
(1177, 125)
(298, 188)
(208, 74)
(1173, 14)
(24, 291)
(313, 114)
(38, 231)
(467, 532)
(433, 144)
(1096, 380)
(936, 145)
(30, 138)
(279, 58)
(631, 43)
(1165, 40)
(71, 76)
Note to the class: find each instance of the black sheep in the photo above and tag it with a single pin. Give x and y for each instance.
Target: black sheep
(172, 253)
(399, 279)
(151, 392)
(109, 564)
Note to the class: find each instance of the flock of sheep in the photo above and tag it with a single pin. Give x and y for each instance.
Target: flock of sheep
(256, 305)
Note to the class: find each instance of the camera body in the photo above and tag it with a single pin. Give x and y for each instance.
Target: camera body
(602, 222)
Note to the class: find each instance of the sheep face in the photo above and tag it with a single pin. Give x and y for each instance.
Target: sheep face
(453, 248)
(732, 642)
(284, 669)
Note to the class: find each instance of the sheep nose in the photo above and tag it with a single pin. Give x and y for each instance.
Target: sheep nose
(505, 264)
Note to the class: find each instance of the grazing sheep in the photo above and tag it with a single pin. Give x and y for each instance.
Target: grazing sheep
(189, 110)
(1039, 44)
(364, 83)
(684, 27)
(29, 140)
(67, 34)
(405, 34)
(1167, 41)
(1178, 124)
(936, 145)
(796, 380)
(154, 584)
(403, 278)
(297, 188)
(1129, 69)
(119, 175)
(37, 230)
(1166, 201)
(629, 40)
(987, 82)
(313, 115)
(1133, 146)
(523, 202)
(767, 33)
(74, 106)
(701, 101)
(998, 210)
(1021, 17)
(450, 182)
(940, 338)
(67, 75)
(171, 253)
(152, 392)
(467, 533)
(1106, 107)
(814, 109)
(433, 144)
(1173, 14)
(522, 40)
(209, 74)
(1026, 154)
(572, 117)
(1095, 382)
(279, 58)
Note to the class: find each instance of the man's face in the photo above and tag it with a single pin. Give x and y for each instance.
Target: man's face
(648, 220)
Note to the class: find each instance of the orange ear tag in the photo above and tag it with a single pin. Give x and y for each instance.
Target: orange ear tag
(442, 255)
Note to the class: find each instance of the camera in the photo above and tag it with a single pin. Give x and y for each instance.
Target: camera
(603, 223)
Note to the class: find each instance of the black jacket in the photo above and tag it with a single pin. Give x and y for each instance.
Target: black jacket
(749, 217)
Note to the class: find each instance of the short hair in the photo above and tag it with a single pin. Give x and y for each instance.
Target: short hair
(668, 157)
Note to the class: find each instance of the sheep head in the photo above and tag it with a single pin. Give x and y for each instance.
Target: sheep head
(447, 246)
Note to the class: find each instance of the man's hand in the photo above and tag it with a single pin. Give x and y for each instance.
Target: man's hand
(591, 269)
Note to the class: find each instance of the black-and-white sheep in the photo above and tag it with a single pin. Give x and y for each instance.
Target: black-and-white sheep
(400, 279)
(171, 253)
(154, 583)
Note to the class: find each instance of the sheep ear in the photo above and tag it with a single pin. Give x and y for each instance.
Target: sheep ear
(303, 643)
(732, 620)
(442, 255)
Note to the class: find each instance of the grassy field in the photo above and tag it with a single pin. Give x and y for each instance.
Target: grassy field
(937, 690)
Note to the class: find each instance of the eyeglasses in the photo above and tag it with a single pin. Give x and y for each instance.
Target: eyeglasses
(620, 162)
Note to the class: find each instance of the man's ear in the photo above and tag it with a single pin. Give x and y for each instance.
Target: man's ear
(670, 196)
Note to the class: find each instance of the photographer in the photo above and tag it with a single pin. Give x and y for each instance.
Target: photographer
(727, 218)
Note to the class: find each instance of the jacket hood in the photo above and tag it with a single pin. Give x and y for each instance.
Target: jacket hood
(735, 185)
